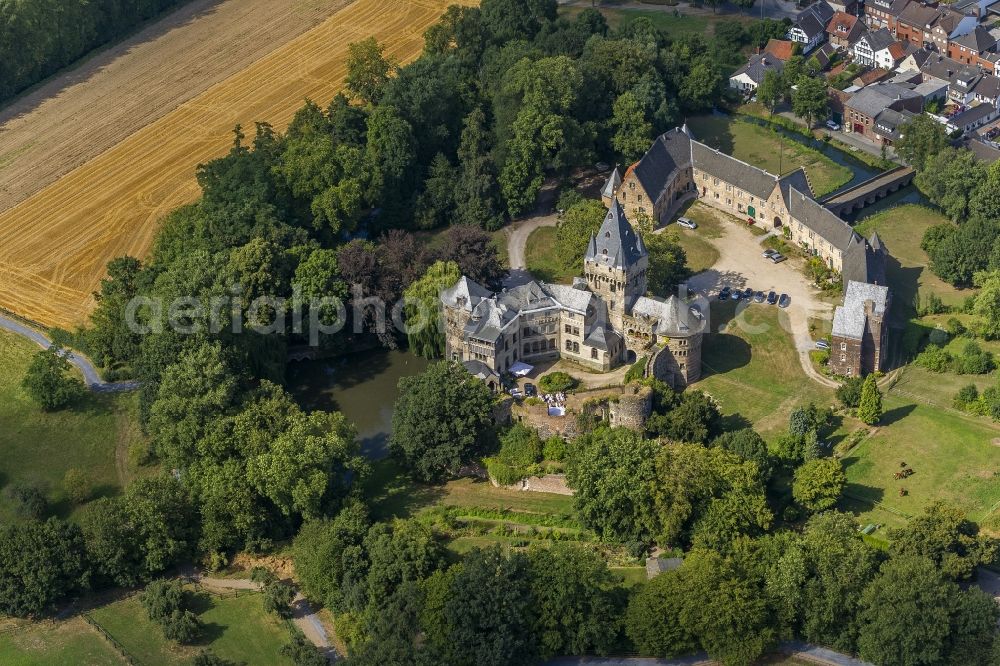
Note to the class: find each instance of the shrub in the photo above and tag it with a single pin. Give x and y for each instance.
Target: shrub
(49, 381)
(637, 370)
(974, 360)
(555, 382)
(967, 395)
(28, 500)
(849, 393)
(954, 327)
(520, 450)
(165, 603)
(932, 304)
(934, 358)
(77, 485)
(554, 448)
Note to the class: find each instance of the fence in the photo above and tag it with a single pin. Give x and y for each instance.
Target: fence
(129, 659)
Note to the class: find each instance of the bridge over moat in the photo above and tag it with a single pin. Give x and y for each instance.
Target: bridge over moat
(864, 194)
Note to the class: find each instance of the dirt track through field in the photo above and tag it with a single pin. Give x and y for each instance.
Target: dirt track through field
(54, 245)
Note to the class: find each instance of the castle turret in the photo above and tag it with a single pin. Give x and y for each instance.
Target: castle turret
(616, 264)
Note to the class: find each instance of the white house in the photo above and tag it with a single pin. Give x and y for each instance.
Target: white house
(749, 76)
(893, 54)
(871, 43)
(809, 28)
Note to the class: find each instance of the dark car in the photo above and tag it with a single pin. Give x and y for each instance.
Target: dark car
(736, 295)
(530, 391)
(725, 293)
(758, 297)
(748, 293)
(778, 258)
(784, 301)
(772, 298)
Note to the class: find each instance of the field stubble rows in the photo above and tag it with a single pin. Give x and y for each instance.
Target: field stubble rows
(54, 246)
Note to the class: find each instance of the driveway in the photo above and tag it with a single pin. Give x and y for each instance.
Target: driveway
(91, 376)
(740, 264)
(517, 238)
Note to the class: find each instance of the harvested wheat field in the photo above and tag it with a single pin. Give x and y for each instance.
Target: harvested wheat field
(79, 114)
(54, 245)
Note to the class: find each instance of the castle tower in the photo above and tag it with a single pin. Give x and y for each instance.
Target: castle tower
(616, 264)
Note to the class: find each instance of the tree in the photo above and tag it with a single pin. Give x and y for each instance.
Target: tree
(509, 20)
(912, 615)
(320, 552)
(771, 90)
(576, 608)
(749, 445)
(368, 70)
(48, 380)
(442, 419)
(870, 405)
(943, 535)
(109, 339)
(278, 595)
(667, 263)
(476, 253)
(921, 138)
(985, 203)
(653, 618)
(951, 179)
(809, 99)
(40, 564)
(405, 551)
(849, 392)
(575, 228)
(819, 483)
(987, 303)
(423, 312)
(436, 205)
(477, 196)
(77, 485)
(611, 472)
(303, 653)
(28, 500)
(489, 613)
(632, 131)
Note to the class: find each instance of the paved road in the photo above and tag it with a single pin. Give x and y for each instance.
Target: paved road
(740, 264)
(91, 377)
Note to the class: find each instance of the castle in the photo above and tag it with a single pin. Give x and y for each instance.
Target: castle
(603, 320)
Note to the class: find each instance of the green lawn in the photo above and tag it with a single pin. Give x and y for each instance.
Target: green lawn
(752, 369)
(701, 254)
(43, 644)
(38, 447)
(953, 456)
(544, 262)
(902, 228)
(768, 150)
(236, 629)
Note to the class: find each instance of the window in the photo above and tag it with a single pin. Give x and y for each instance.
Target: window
(569, 345)
(843, 346)
(843, 358)
(593, 352)
(568, 329)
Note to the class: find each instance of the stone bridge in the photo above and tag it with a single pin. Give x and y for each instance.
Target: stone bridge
(864, 194)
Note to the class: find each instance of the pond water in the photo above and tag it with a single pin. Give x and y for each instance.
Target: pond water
(362, 386)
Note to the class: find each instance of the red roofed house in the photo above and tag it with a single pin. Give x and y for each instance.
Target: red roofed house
(782, 49)
(844, 29)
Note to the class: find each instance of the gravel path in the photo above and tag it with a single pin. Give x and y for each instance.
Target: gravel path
(91, 377)
(517, 238)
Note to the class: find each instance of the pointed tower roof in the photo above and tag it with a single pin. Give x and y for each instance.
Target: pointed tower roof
(876, 242)
(614, 182)
(617, 243)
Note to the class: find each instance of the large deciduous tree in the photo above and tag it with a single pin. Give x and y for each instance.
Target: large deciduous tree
(49, 380)
(442, 419)
(818, 483)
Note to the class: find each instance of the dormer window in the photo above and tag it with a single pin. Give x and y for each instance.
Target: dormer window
(607, 234)
(604, 252)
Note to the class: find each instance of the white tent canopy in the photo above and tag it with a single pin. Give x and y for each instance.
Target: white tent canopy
(521, 369)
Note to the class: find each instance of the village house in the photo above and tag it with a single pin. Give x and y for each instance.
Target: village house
(659, 182)
(884, 13)
(809, 27)
(972, 118)
(890, 56)
(932, 27)
(970, 48)
(859, 340)
(749, 76)
(871, 43)
(864, 107)
(844, 29)
(782, 49)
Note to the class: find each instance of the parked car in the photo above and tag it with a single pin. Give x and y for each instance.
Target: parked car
(832, 125)
(687, 223)
(772, 298)
(822, 344)
(748, 293)
(784, 301)
(758, 297)
(530, 391)
(725, 293)
(768, 253)
(737, 295)
(516, 393)
(777, 258)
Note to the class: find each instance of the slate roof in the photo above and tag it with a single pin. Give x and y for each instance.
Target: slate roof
(672, 317)
(614, 182)
(987, 87)
(657, 565)
(810, 24)
(878, 39)
(889, 121)
(601, 337)
(941, 67)
(872, 100)
(983, 151)
(757, 65)
(465, 293)
(530, 296)
(670, 151)
(480, 370)
(972, 115)
(849, 319)
(617, 243)
(864, 261)
(796, 180)
(570, 297)
(488, 320)
(820, 220)
(892, 7)
(756, 181)
(978, 40)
